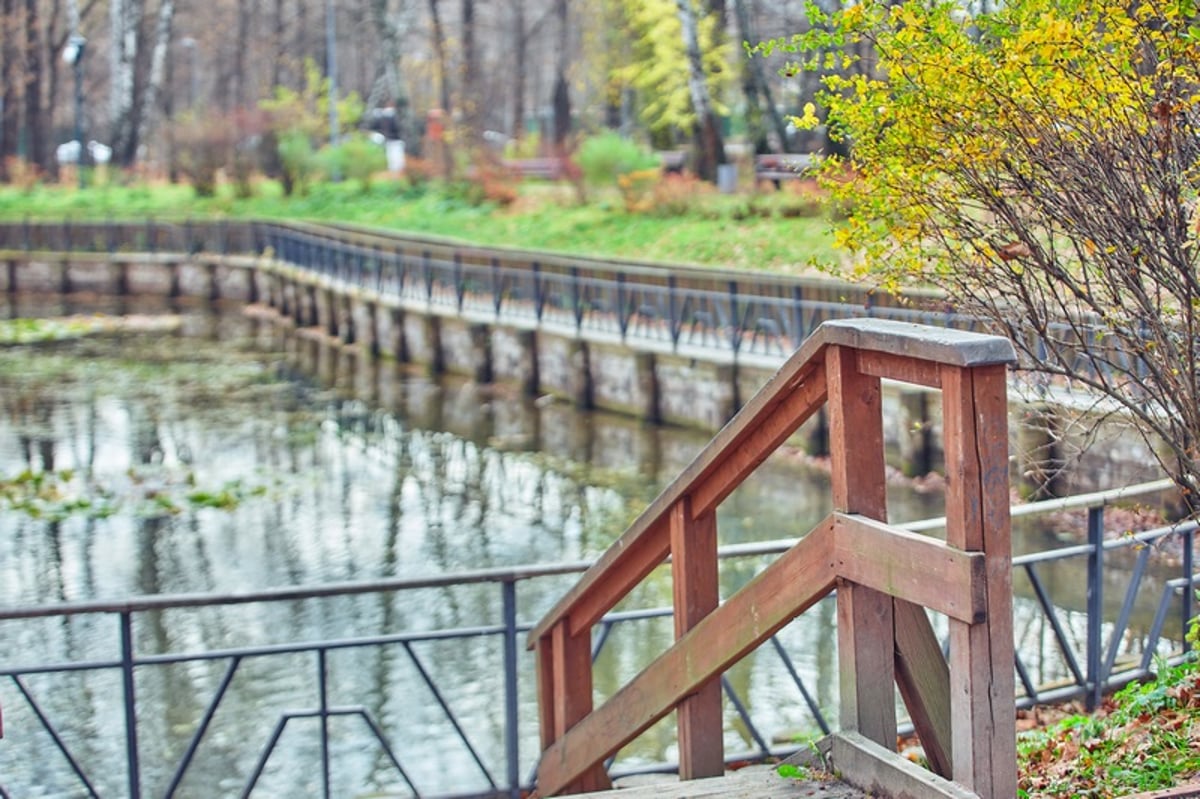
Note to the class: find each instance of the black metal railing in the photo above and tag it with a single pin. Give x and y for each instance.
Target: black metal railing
(735, 312)
(1094, 647)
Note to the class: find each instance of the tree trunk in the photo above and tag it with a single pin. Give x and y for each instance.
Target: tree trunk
(562, 93)
(470, 94)
(390, 30)
(757, 90)
(10, 107)
(439, 50)
(125, 18)
(280, 43)
(35, 116)
(710, 149)
(520, 66)
(148, 114)
(244, 10)
(438, 150)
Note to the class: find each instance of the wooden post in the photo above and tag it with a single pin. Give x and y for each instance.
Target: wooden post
(983, 715)
(866, 629)
(695, 584)
(565, 692)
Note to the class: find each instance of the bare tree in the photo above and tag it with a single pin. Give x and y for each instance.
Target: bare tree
(562, 91)
(154, 83)
(760, 103)
(125, 21)
(710, 148)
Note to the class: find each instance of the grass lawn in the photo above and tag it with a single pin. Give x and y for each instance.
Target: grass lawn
(776, 231)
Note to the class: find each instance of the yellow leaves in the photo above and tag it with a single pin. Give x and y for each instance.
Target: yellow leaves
(808, 120)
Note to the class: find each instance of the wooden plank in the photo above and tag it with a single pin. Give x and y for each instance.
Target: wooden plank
(864, 763)
(939, 344)
(572, 664)
(791, 584)
(910, 566)
(983, 716)
(866, 662)
(891, 366)
(632, 559)
(855, 436)
(874, 335)
(805, 399)
(544, 664)
(652, 523)
(696, 589)
(866, 633)
(924, 681)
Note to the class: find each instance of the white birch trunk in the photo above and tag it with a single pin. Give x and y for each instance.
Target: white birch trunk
(124, 16)
(158, 63)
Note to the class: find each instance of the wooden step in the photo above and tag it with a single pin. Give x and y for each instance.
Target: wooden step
(752, 782)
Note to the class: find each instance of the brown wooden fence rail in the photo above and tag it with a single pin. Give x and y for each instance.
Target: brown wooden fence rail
(885, 578)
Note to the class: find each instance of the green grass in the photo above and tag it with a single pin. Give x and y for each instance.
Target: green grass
(735, 231)
(1144, 740)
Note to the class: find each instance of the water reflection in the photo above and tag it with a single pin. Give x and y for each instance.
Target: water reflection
(232, 455)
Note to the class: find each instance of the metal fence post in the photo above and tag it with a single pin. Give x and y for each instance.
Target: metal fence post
(508, 592)
(1095, 605)
(130, 700)
(1189, 596)
(323, 687)
(538, 298)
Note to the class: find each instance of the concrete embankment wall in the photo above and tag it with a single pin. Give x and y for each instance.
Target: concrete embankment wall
(643, 378)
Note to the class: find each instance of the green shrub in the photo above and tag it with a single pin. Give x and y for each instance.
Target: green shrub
(606, 157)
(354, 158)
(298, 159)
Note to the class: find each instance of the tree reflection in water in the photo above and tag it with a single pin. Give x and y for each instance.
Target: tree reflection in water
(236, 456)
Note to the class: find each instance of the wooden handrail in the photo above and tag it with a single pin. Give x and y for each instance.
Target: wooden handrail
(884, 576)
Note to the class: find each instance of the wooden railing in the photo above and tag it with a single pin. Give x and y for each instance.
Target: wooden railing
(885, 578)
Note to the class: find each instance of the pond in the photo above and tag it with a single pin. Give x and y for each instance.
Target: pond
(220, 452)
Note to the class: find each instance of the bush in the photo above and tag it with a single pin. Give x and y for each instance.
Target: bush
(605, 158)
(637, 189)
(355, 158)
(204, 144)
(299, 161)
(677, 195)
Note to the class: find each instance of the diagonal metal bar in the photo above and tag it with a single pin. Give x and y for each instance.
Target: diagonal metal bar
(795, 675)
(1060, 635)
(266, 752)
(1023, 674)
(377, 731)
(209, 712)
(437, 695)
(58, 741)
(1135, 582)
(740, 707)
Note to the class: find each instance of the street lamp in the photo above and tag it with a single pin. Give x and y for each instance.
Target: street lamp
(189, 44)
(73, 55)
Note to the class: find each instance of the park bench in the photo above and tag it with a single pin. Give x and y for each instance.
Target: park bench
(778, 167)
(537, 168)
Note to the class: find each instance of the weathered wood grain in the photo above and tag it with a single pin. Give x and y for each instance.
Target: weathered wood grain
(882, 773)
(982, 685)
(866, 633)
(697, 592)
(783, 590)
(923, 678)
(911, 566)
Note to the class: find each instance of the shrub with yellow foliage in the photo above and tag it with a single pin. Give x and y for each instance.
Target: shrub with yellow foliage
(1040, 164)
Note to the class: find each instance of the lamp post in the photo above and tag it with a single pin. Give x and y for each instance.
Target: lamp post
(73, 55)
(189, 44)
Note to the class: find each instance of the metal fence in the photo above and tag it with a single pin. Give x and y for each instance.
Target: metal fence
(1095, 648)
(718, 310)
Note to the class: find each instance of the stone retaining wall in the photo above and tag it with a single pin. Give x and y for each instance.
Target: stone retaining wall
(630, 377)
